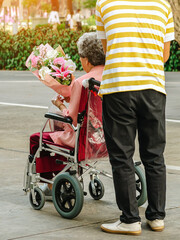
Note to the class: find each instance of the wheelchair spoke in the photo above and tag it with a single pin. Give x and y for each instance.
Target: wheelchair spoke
(138, 188)
(69, 187)
(68, 201)
(138, 181)
(70, 206)
(66, 196)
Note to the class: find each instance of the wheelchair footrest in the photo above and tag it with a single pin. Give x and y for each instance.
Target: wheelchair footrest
(30, 158)
(72, 172)
(58, 161)
(137, 163)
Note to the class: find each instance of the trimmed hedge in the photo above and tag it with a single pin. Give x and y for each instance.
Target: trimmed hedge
(15, 49)
(173, 63)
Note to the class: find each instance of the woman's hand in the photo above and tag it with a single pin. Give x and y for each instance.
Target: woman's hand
(67, 99)
(62, 99)
(58, 103)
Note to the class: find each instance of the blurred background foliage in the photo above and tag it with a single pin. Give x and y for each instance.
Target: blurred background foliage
(15, 49)
(173, 64)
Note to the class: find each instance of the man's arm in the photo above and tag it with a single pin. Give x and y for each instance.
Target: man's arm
(166, 53)
(104, 43)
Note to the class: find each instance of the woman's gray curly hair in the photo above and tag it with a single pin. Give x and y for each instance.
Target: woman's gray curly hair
(90, 47)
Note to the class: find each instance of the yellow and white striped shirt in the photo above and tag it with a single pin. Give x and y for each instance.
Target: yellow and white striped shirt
(135, 31)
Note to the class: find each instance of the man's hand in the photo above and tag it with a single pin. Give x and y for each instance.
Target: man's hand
(166, 53)
(104, 43)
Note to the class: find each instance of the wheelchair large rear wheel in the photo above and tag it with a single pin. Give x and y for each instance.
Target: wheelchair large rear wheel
(40, 199)
(67, 195)
(141, 191)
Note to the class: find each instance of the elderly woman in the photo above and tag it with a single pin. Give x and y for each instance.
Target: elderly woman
(93, 59)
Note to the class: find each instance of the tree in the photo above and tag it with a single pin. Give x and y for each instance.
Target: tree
(89, 3)
(175, 5)
(70, 6)
(1, 2)
(45, 7)
(28, 4)
(55, 5)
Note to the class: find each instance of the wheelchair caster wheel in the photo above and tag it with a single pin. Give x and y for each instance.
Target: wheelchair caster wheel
(96, 189)
(40, 199)
(67, 195)
(141, 192)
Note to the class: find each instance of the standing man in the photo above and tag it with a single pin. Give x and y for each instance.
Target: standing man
(136, 38)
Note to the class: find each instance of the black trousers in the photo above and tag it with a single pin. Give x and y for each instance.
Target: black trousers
(124, 114)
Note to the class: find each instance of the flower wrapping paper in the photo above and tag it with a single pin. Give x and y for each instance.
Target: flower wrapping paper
(35, 64)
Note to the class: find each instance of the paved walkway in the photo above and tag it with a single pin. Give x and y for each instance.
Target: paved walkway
(19, 221)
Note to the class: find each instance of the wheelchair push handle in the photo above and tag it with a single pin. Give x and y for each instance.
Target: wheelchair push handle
(93, 83)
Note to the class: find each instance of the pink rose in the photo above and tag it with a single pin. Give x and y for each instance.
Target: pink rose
(34, 61)
(59, 61)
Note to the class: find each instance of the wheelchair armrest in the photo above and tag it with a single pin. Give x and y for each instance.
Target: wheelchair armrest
(58, 117)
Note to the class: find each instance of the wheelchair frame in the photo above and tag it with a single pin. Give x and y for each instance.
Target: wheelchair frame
(76, 170)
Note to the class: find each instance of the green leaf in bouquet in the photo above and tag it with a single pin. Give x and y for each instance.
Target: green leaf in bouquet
(56, 45)
(59, 55)
(46, 62)
(29, 63)
(33, 69)
(36, 51)
(66, 82)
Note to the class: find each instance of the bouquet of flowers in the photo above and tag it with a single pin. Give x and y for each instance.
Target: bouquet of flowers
(52, 67)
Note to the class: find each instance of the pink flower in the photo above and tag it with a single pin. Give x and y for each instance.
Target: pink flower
(59, 61)
(34, 61)
(65, 73)
(63, 69)
(60, 72)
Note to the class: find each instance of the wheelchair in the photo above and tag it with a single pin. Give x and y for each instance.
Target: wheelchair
(69, 165)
